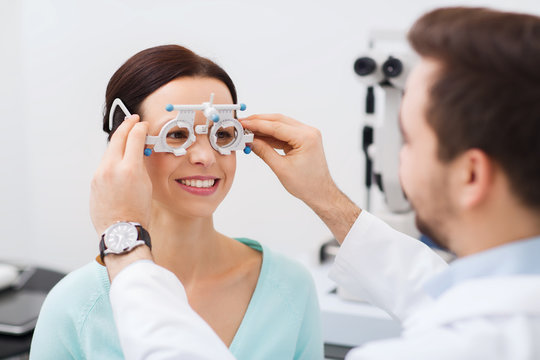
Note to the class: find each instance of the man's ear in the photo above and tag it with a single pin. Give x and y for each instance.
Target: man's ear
(475, 172)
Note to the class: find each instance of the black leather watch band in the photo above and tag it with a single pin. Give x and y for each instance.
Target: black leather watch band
(144, 236)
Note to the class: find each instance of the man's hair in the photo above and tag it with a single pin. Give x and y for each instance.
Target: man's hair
(487, 93)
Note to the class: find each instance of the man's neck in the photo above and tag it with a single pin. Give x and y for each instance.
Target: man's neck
(485, 230)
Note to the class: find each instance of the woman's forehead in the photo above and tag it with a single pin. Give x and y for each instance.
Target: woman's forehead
(183, 91)
(189, 91)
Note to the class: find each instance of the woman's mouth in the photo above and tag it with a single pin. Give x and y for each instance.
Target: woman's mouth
(199, 185)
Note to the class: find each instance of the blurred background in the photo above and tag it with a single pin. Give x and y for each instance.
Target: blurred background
(291, 57)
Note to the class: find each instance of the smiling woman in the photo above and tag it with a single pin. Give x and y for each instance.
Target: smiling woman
(178, 181)
(261, 305)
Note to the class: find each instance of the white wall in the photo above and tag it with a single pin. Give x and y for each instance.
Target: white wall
(293, 57)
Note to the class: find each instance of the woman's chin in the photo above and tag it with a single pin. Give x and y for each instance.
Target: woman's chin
(196, 211)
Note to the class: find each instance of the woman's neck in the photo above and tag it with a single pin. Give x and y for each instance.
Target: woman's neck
(189, 247)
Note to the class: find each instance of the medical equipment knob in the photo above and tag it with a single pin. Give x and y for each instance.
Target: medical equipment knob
(147, 152)
(247, 150)
(169, 107)
(242, 107)
(364, 66)
(392, 67)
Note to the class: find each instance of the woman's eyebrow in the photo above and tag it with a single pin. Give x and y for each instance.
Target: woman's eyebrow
(164, 120)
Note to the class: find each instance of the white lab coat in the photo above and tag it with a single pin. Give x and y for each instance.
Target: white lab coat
(487, 318)
(491, 318)
(154, 319)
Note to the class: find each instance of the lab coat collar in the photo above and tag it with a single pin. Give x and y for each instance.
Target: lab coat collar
(495, 296)
(516, 258)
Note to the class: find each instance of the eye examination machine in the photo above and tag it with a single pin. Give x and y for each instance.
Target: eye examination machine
(383, 71)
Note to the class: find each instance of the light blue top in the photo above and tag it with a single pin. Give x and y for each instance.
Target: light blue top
(282, 320)
(516, 258)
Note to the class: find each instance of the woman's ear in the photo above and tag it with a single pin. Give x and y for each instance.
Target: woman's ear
(475, 176)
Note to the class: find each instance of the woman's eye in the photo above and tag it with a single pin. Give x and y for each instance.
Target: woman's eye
(177, 135)
(224, 135)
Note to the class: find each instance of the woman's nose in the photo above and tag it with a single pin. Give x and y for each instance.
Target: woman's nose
(201, 152)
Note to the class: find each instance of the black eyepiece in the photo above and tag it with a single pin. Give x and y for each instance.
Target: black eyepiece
(392, 67)
(364, 66)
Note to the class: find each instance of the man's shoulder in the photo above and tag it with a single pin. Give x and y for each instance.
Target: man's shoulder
(443, 343)
(484, 318)
(507, 296)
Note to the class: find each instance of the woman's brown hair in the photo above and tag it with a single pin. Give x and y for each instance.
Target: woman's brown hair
(150, 69)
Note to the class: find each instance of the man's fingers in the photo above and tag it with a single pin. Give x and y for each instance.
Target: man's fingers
(117, 144)
(268, 154)
(276, 144)
(279, 130)
(135, 143)
(272, 117)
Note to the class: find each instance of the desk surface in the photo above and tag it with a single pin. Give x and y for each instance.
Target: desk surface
(13, 345)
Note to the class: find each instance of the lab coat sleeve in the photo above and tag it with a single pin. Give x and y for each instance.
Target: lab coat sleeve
(154, 319)
(385, 267)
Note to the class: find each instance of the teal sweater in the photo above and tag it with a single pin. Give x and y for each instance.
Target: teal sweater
(282, 320)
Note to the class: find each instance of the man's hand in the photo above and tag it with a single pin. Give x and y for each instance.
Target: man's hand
(121, 188)
(302, 169)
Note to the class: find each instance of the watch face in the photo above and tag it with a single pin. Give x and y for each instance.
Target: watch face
(120, 237)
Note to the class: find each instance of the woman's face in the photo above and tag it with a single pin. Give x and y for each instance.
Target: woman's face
(193, 184)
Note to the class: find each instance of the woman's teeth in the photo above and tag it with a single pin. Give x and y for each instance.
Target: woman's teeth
(198, 183)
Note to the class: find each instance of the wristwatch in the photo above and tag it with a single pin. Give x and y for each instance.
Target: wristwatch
(122, 237)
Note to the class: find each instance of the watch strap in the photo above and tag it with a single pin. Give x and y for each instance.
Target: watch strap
(144, 236)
